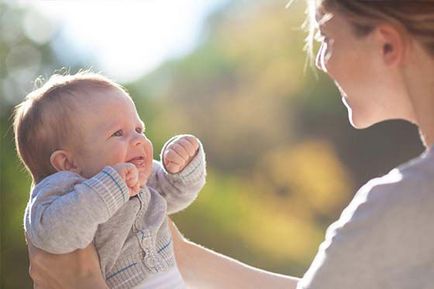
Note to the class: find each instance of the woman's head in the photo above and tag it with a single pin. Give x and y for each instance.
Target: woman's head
(367, 47)
(416, 17)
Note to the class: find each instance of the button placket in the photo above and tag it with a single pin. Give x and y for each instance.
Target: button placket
(150, 261)
(149, 258)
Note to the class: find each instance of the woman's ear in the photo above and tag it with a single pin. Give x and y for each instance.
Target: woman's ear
(62, 160)
(393, 44)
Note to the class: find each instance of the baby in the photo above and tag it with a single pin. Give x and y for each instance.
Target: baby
(95, 180)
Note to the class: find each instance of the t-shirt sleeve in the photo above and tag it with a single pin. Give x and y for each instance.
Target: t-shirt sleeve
(375, 242)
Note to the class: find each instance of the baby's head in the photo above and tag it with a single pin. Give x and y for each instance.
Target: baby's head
(80, 123)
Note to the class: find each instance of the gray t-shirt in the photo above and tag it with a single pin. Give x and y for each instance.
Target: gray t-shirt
(385, 237)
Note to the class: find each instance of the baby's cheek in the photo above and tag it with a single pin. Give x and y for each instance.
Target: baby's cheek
(149, 148)
(145, 174)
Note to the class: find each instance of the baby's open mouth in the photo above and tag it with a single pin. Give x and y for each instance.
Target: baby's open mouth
(139, 162)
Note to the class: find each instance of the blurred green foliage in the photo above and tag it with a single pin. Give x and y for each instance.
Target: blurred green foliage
(282, 158)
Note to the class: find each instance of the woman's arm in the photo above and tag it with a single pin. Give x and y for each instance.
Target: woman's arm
(203, 268)
(77, 270)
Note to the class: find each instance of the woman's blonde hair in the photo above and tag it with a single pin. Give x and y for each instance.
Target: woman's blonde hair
(416, 17)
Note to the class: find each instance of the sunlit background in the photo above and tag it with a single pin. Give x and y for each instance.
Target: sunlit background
(282, 158)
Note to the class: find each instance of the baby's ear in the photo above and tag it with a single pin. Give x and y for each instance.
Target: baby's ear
(61, 160)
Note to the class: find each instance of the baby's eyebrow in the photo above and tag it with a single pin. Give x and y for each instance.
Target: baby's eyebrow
(108, 128)
(108, 125)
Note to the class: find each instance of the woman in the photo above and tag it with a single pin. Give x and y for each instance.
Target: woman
(381, 56)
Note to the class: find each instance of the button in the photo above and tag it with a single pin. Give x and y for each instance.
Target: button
(140, 234)
(147, 241)
(149, 261)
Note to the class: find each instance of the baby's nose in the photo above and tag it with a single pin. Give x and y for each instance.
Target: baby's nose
(139, 139)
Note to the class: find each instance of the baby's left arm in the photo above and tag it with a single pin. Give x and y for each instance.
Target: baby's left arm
(181, 174)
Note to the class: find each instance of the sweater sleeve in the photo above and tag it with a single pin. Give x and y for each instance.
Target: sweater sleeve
(182, 188)
(65, 209)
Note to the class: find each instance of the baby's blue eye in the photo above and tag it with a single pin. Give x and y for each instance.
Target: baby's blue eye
(118, 133)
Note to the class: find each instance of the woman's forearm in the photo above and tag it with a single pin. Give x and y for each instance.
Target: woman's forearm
(203, 268)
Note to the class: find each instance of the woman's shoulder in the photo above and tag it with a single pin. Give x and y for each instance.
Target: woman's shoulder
(421, 167)
(384, 236)
(409, 181)
(406, 192)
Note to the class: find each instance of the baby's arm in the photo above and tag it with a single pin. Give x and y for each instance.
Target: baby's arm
(183, 174)
(66, 209)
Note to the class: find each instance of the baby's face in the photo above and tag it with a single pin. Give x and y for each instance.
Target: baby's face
(112, 132)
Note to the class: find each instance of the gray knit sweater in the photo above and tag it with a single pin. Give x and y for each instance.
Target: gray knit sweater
(67, 212)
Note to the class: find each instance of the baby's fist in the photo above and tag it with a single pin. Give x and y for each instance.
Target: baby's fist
(130, 174)
(178, 153)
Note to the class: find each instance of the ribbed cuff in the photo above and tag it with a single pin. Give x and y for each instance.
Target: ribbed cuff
(110, 187)
(194, 171)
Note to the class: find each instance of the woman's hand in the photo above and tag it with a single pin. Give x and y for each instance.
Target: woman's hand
(76, 270)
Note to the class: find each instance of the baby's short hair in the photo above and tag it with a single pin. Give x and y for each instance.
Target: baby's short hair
(44, 122)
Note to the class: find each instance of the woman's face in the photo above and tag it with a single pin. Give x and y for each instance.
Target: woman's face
(370, 88)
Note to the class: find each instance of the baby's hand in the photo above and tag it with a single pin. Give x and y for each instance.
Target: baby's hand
(179, 153)
(130, 174)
